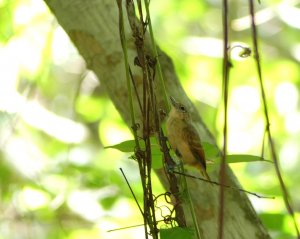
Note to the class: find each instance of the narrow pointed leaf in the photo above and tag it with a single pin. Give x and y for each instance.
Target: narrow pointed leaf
(242, 158)
(125, 146)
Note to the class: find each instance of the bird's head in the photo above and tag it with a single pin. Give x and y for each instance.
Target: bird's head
(179, 110)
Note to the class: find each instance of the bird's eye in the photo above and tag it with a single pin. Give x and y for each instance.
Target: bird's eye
(182, 108)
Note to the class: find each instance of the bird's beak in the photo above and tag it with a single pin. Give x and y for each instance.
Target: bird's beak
(173, 101)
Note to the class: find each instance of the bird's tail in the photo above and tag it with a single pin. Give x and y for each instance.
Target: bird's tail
(204, 174)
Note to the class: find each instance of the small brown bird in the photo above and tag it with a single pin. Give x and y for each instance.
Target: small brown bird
(184, 139)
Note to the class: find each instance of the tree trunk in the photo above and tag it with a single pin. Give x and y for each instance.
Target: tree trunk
(93, 27)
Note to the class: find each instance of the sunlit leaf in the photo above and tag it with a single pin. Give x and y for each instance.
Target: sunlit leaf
(108, 202)
(211, 151)
(273, 220)
(157, 161)
(88, 107)
(177, 233)
(125, 146)
(6, 20)
(129, 146)
(242, 158)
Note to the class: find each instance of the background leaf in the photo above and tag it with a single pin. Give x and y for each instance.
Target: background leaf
(211, 151)
(125, 146)
(177, 233)
(244, 158)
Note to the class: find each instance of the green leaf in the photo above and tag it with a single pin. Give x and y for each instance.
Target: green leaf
(125, 146)
(88, 107)
(157, 162)
(273, 221)
(157, 155)
(129, 145)
(7, 20)
(211, 151)
(177, 233)
(242, 158)
(239, 158)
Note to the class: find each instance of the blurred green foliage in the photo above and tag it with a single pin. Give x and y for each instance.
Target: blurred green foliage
(57, 181)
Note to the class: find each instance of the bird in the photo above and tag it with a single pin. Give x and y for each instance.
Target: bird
(184, 139)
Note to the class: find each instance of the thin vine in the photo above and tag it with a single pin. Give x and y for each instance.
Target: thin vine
(225, 82)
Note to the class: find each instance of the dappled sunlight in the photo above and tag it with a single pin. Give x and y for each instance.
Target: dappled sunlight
(32, 199)
(288, 223)
(64, 54)
(292, 123)
(199, 91)
(295, 51)
(112, 133)
(26, 157)
(286, 98)
(289, 155)
(81, 155)
(123, 210)
(26, 51)
(26, 11)
(130, 233)
(211, 47)
(245, 131)
(273, 206)
(85, 203)
(245, 99)
(243, 23)
(289, 14)
(57, 178)
(54, 125)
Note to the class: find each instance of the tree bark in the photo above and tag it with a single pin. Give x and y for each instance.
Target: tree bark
(92, 25)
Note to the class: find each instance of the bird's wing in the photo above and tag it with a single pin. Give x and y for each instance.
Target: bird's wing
(193, 140)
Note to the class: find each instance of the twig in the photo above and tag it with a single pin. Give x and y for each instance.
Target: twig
(135, 90)
(224, 185)
(137, 203)
(123, 228)
(138, 28)
(226, 67)
(126, 64)
(134, 127)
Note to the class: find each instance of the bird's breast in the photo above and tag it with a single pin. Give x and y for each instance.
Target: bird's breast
(178, 142)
